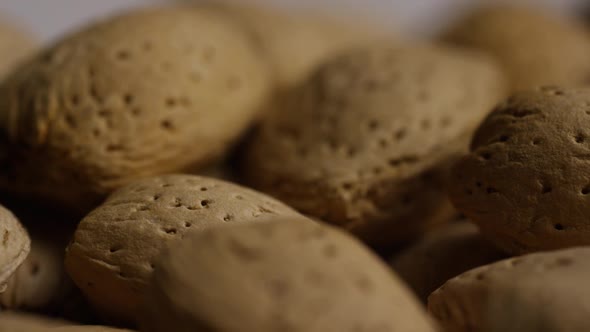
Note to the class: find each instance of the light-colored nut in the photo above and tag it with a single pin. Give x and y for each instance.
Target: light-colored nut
(365, 143)
(536, 292)
(277, 276)
(16, 45)
(40, 283)
(442, 254)
(295, 44)
(114, 248)
(145, 93)
(526, 182)
(15, 245)
(535, 47)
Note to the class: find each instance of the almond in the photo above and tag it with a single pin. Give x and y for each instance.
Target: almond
(114, 248)
(16, 44)
(526, 182)
(144, 93)
(536, 292)
(365, 143)
(40, 283)
(277, 276)
(295, 44)
(442, 254)
(15, 245)
(535, 47)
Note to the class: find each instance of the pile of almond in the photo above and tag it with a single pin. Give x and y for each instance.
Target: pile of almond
(238, 169)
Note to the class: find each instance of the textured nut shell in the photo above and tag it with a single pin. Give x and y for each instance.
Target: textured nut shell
(277, 276)
(442, 254)
(145, 93)
(15, 245)
(365, 142)
(114, 248)
(296, 44)
(40, 282)
(15, 45)
(526, 181)
(534, 47)
(536, 292)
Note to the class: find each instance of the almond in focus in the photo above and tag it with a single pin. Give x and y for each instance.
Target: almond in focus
(114, 249)
(366, 142)
(143, 93)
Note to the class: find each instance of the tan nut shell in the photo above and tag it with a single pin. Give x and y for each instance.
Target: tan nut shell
(295, 44)
(114, 248)
(442, 254)
(40, 283)
(15, 245)
(277, 276)
(537, 292)
(365, 142)
(148, 92)
(534, 47)
(15, 45)
(526, 181)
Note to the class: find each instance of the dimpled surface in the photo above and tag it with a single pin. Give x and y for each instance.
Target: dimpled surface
(534, 47)
(442, 254)
(14, 245)
(114, 248)
(40, 283)
(526, 181)
(365, 142)
(536, 292)
(144, 93)
(277, 276)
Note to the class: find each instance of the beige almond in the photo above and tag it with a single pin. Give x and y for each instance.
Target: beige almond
(277, 276)
(143, 93)
(40, 283)
(14, 246)
(442, 254)
(296, 43)
(16, 44)
(366, 142)
(535, 47)
(536, 292)
(114, 249)
(526, 182)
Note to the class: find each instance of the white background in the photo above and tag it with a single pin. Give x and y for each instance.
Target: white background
(51, 18)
